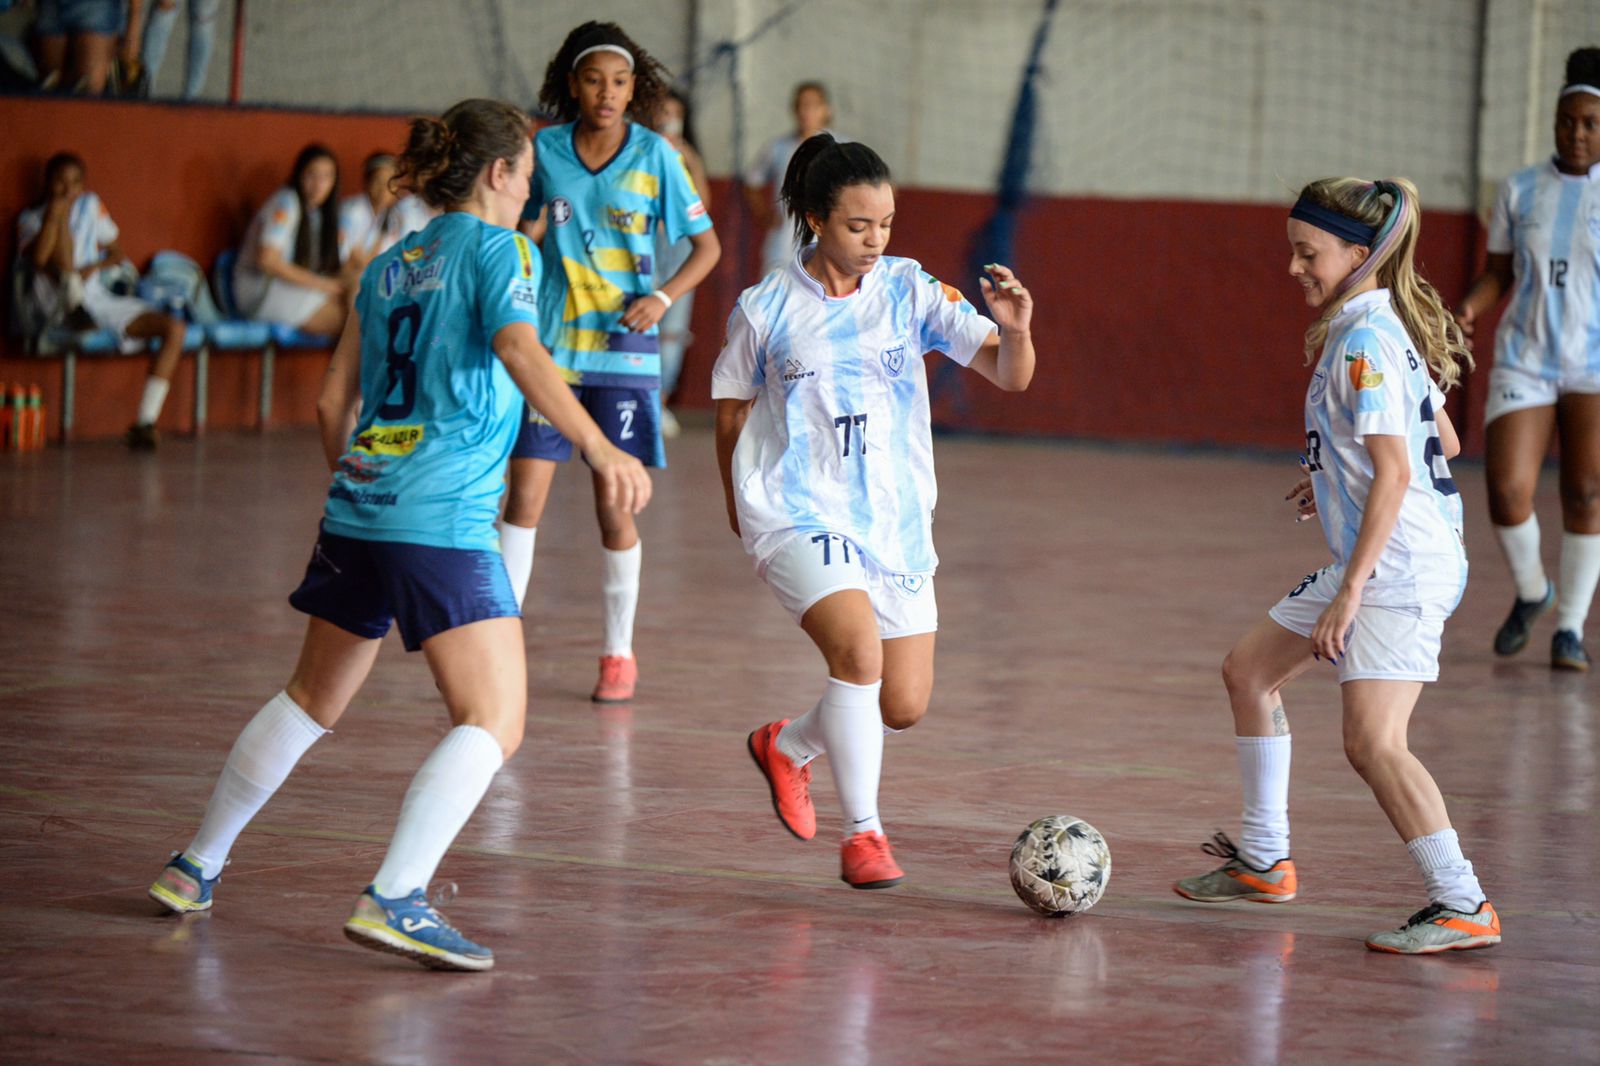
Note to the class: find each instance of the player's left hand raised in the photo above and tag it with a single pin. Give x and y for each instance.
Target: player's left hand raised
(1010, 305)
(644, 312)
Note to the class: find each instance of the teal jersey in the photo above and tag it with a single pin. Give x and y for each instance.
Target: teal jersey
(439, 411)
(599, 249)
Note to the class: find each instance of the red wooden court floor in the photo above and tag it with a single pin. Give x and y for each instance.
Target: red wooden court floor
(643, 903)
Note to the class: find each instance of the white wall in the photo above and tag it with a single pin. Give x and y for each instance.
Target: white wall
(1171, 99)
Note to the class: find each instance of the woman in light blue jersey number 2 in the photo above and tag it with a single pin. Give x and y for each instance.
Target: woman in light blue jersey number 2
(1544, 249)
(1377, 476)
(826, 454)
(421, 405)
(602, 183)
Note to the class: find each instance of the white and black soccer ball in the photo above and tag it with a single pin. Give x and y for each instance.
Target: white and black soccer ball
(1060, 865)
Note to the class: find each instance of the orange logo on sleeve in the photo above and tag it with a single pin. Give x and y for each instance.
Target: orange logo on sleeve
(951, 293)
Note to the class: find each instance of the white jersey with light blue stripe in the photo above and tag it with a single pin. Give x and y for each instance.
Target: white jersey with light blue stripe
(1549, 223)
(838, 439)
(1370, 381)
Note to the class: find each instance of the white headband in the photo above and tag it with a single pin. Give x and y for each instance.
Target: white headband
(618, 49)
(1581, 88)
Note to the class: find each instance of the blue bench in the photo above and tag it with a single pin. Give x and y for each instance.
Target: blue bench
(71, 345)
(237, 333)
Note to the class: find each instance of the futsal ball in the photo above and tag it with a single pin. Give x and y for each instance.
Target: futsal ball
(1060, 865)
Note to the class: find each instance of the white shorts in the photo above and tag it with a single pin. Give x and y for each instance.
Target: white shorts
(105, 308)
(1384, 643)
(810, 566)
(288, 304)
(1511, 389)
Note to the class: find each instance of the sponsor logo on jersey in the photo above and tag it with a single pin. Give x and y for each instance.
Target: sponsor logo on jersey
(894, 359)
(1319, 386)
(560, 211)
(794, 370)
(524, 254)
(524, 294)
(400, 277)
(698, 210)
(1362, 376)
(951, 293)
(388, 440)
(627, 221)
(360, 469)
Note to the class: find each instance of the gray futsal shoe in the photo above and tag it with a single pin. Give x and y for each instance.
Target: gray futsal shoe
(1566, 651)
(1437, 928)
(1237, 879)
(1512, 636)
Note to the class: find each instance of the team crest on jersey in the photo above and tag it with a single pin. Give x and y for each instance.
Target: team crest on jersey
(1319, 386)
(911, 584)
(894, 359)
(560, 211)
(627, 221)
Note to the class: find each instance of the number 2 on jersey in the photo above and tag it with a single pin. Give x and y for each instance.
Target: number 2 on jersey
(844, 423)
(403, 323)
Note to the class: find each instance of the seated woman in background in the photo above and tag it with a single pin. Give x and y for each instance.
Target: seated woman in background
(289, 268)
(371, 222)
(68, 243)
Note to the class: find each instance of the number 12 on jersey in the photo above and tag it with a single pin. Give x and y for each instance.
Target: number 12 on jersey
(844, 424)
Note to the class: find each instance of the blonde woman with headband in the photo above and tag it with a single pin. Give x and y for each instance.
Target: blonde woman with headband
(1544, 249)
(1376, 474)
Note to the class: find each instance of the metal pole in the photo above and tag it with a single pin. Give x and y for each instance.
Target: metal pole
(236, 80)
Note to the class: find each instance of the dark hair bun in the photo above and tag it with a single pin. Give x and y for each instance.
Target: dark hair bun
(1583, 66)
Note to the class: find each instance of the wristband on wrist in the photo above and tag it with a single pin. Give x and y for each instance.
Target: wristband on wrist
(663, 297)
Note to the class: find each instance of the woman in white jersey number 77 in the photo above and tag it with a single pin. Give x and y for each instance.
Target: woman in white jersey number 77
(1377, 441)
(827, 461)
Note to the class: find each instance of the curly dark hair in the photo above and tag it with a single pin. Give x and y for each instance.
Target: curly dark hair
(1583, 67)
(650, 79)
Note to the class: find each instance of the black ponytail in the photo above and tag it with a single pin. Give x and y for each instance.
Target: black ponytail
(1583, 67)
(444, 156)
(820, 167)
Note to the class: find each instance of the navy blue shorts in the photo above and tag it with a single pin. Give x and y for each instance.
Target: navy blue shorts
(363, 585)
(630, 419)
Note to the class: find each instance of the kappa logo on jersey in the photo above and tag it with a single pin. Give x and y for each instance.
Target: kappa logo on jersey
(894, 359)
(911, 584)
(388, 440)
(794, 370)
(560, 211)
(1319, 386)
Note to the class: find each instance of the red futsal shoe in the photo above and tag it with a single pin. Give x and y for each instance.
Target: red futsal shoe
(790, 784)
(868, 863)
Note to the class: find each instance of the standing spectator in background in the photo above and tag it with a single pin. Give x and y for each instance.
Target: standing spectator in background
(289, 270)
(674, 120)
(145, 47)
(67, 242)
(91, 29)
(764, 180)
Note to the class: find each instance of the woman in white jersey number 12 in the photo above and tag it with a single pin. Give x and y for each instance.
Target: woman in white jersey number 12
(827, 462)
(1544, 249)
(1376, 476)
(1377, 441)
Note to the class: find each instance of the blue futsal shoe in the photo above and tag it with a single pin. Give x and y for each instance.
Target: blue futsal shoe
(182, 887)
(410, 926)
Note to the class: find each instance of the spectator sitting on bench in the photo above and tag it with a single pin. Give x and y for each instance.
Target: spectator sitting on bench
(289, 268)
(68, 243)
(371, 221)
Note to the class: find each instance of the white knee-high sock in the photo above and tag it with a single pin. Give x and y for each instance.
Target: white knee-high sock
(1264, 825)
(155, 394)
(621, 589)
(1520, 543)
(802, 739)
(1580, 567)
(854, 734)
(441, 798)
(268, 748)
(516, 548)
(1446, 872)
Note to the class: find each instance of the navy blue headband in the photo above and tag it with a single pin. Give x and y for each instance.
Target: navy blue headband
(1339, 225)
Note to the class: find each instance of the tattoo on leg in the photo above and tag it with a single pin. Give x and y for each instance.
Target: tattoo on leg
(1280, 722)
